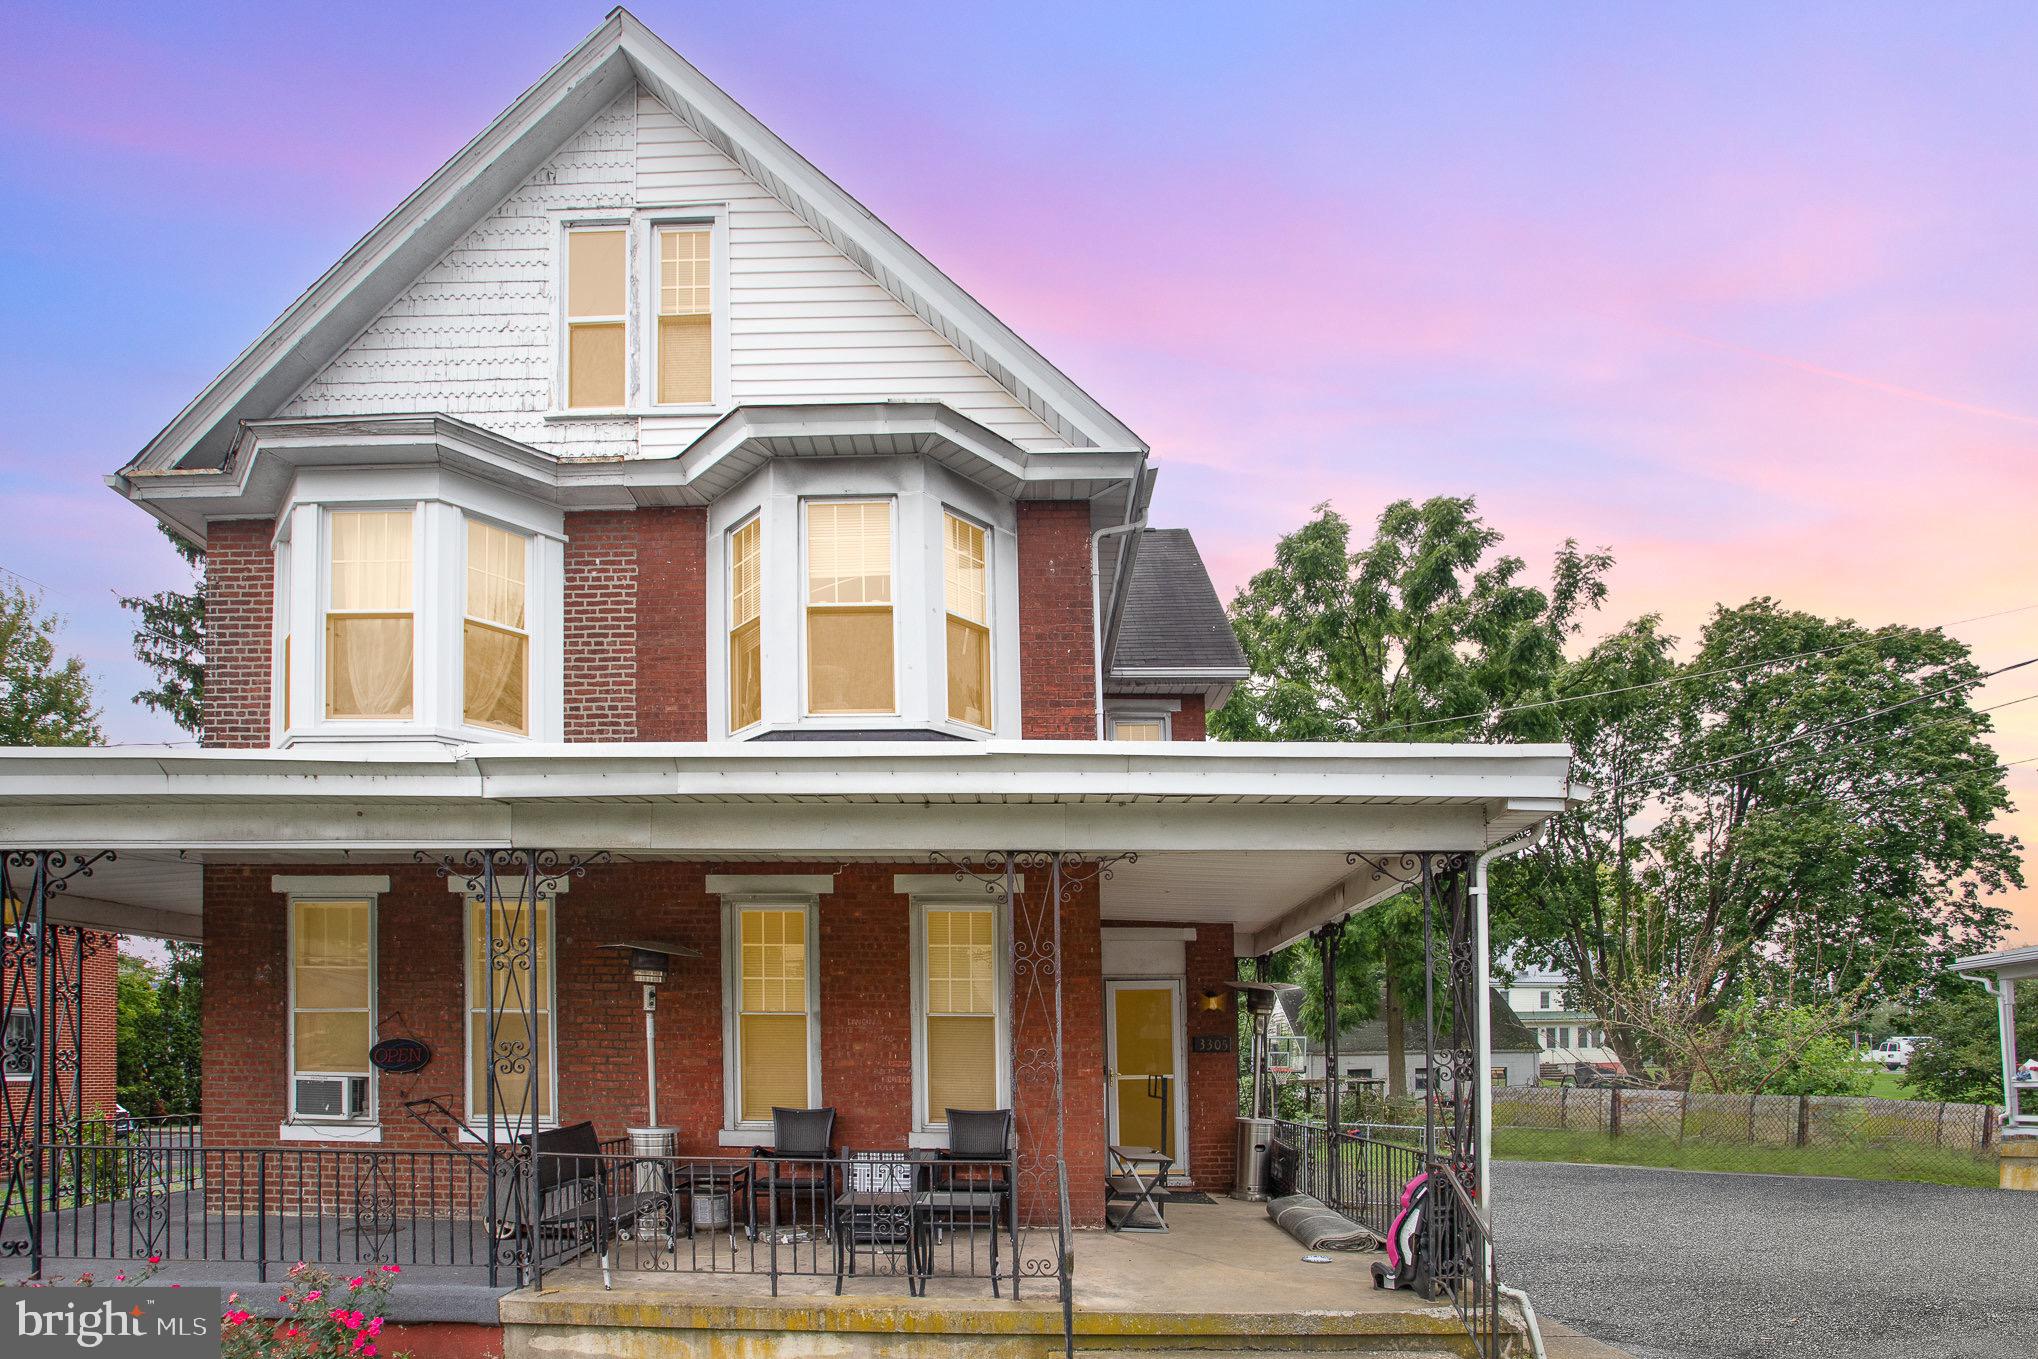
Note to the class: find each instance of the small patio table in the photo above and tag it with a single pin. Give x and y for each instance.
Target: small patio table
(1127, 1190)
(733, 1184)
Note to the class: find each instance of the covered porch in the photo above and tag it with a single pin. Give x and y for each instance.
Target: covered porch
(1110, 873)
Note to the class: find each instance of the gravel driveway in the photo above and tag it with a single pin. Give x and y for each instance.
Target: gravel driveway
(1672, 1264)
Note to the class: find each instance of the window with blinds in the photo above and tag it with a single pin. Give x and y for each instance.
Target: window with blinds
(1138, 729)
(597, 293)
(495, 637)
(772, 1012)
(746, 645)
(686, 339)
(521, 1057)
(966, 575)
(959, 1011)
(332, 989)
(368, 615)
(849, 607)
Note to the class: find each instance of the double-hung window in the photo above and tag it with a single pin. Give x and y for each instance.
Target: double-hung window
(597, 293)
(849, 607)
(1139, 729)
(746, 643)
(368, 615)
(686, 326)
(17, 1046)
(774, 1011)
(495, 637)
(958, 1010)
(332, 1008)
(509, 976)
(966, 572)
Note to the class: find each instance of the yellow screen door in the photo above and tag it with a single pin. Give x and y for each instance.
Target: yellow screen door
(1143, 1054)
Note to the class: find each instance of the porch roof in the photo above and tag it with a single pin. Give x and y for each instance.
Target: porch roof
(1251, 835)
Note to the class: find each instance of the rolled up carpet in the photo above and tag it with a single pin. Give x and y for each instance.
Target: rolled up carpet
(1317, 1226)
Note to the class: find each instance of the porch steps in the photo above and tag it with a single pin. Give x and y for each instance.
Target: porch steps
(639, 1323)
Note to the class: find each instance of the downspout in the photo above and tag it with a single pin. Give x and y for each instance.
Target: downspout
(1132, 525)
(1482, 1022)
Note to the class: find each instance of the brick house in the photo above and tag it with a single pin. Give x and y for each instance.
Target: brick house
(632, 494)
(78, 1036)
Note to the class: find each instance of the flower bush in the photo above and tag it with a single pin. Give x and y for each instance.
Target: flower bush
(323, 1317)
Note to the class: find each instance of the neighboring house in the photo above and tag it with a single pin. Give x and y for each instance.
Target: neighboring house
(1568, 1035)
(634, 494)
(1362, 1049)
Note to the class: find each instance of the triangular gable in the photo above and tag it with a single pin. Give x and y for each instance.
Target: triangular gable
(593, 77)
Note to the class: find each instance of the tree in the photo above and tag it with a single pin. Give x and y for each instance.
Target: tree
(44, 701)
(169, 637)
(158, 1052)
(1805, 808)
(1417, 636)
(1961, 1058)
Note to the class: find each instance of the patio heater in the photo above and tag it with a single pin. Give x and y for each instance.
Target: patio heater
(1256, 1129)
(649, 965)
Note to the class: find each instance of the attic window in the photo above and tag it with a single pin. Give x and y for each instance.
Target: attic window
(596, 317)
(686, 336)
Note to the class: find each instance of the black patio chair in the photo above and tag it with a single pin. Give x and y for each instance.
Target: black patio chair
(799, 1169)
(975, 1181)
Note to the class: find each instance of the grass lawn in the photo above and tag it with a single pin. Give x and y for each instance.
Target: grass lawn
(1931, 1165)
(1891, 1085)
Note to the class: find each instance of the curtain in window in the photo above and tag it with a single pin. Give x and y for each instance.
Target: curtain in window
(966, 578)
(771, 1022)
(495, 647)
(368, 630)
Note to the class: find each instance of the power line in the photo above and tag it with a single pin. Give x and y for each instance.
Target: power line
(1490, 713)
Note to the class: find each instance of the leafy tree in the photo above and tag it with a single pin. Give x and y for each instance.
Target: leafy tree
(1416, 636)
(169, 637)
(44, 701)
(1805, 809)
(1962, 1055)
(157, 1029)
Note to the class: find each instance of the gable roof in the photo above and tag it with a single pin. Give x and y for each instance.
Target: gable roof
(622, 51)
(1172, 619)
(1370, 1037)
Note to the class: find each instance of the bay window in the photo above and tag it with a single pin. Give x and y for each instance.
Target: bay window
(332, 1009)
(597, 291)
(967, 586)
(849, 607)
(746, 641)
(686, 337)
(495, 641)
(519, 992)
(368, 632)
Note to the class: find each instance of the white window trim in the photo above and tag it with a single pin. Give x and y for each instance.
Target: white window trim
(507, 888)
(990, 619)
(316, 890)
(7, 1017)
(809, 717)
(420, 576)
(737, 1132)
(527, 631)
(1128, 712)
(947, 897)
(648, 225)
(565, 226)
(727, 585)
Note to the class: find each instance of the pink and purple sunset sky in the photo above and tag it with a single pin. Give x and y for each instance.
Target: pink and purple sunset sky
(1748, 294)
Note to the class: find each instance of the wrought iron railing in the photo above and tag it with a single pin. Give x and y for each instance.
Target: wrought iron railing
(1459, 1242)
(1359, 1171)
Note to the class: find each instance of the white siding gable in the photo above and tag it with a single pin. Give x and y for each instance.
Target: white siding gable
(474, 335)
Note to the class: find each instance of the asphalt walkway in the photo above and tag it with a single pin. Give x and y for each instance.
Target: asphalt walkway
(1670, 1264)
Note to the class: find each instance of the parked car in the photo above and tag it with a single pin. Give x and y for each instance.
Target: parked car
(1892, 1054)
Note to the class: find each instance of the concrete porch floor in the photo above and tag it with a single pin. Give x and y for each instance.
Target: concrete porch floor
(1223, 1278)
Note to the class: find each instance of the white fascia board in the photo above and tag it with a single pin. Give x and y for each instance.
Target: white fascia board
(2015, 962)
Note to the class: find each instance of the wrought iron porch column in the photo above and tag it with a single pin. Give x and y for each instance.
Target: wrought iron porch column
(1328, 939)
(38, 980)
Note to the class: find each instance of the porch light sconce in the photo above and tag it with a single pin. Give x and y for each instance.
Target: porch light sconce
(1213, 1000)
(649, 967)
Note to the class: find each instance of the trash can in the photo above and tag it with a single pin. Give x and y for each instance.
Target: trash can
(1255, 1143)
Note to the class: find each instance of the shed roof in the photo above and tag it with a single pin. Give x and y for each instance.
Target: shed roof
(1173, 619)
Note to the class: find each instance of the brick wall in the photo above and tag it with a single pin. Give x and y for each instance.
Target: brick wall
(1187, 724)
(672, 624)
(1057, 659)
(94, 1056)
(600, 629)
(865, 1003)
(240, 592)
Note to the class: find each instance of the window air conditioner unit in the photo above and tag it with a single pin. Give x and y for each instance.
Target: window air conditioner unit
(334, 1097)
